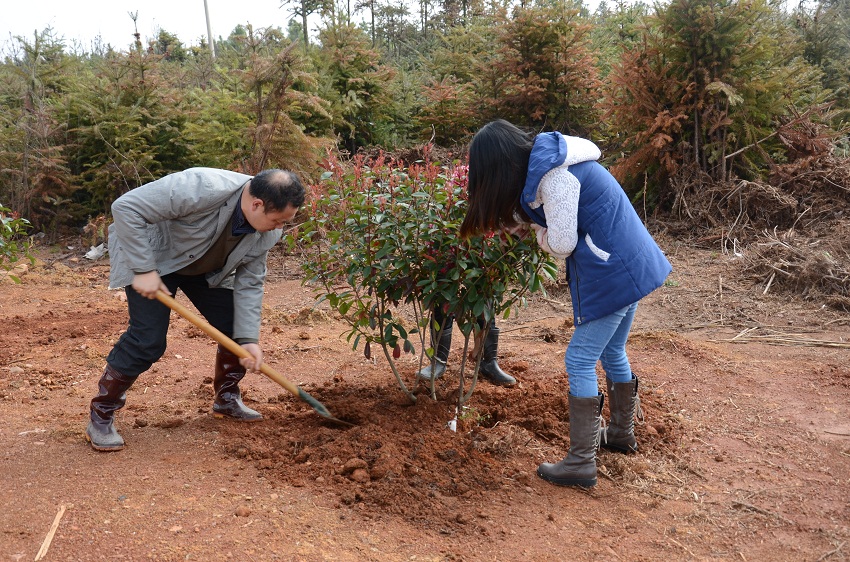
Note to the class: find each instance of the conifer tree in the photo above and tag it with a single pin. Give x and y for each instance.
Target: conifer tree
(34, 177)
(355, 82)
(546, 73)
(703, 90)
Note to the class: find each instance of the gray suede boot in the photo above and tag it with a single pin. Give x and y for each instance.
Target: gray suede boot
(441, 354)
(624, 403)
(489, 368)
(579, 467)
(111, 397)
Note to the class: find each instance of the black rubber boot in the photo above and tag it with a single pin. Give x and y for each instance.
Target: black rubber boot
(228, 398)
(624, 403)
(111, 397)
(489, 368)
(441, 354)
(579, 468)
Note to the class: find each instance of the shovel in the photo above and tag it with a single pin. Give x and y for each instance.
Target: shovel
(237, 349)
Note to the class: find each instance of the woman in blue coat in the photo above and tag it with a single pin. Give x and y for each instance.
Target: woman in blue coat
(554, 185)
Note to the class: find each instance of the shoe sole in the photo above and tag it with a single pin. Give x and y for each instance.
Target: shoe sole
(504, 384)
(573, 482)
(495, 383)
(221, 416)
(101, 448)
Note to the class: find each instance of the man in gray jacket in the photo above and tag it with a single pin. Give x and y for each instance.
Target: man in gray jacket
(206, 232)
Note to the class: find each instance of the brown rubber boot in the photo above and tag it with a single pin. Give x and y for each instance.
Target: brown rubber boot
(228, 398)
(624, 403)
(111, 396)
(579, 467)
(489, 368)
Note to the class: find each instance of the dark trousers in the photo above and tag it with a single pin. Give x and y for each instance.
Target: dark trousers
(440, 317)
(144, 341)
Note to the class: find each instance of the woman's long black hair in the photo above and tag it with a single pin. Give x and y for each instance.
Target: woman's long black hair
(498, 165)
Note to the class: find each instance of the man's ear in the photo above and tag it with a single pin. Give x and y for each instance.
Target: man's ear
(257, 203)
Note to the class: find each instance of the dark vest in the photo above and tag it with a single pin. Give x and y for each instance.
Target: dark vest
(216, 256)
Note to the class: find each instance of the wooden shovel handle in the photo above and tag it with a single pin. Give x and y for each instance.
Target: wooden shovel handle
(231, 345)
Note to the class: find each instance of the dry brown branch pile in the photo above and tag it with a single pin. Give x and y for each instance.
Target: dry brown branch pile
(793, 228)
(804, 195)
(814, 267)
(810, 255)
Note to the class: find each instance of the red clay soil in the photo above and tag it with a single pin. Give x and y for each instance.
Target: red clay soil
(744, 454)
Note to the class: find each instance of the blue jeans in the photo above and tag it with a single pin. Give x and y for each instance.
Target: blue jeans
(603, 339)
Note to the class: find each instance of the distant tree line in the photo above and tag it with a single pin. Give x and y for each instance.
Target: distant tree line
(683, 89)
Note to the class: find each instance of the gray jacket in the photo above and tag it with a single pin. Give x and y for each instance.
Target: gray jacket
(167, 224)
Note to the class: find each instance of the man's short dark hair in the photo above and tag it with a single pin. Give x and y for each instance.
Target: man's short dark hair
(277, 189)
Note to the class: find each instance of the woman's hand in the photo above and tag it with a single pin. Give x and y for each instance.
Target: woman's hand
(540, 232)
(543, 241)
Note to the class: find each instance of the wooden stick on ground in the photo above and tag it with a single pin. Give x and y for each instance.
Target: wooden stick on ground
(42, 552)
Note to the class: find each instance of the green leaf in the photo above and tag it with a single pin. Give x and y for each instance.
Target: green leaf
(344, 308)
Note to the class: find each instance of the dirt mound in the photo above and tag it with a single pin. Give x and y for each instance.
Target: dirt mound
(401, 458)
